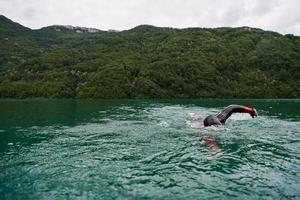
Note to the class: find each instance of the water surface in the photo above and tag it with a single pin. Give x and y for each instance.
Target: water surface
(96, 149)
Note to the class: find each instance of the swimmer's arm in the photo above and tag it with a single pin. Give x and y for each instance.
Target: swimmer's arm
(211, 144)
(229, 110)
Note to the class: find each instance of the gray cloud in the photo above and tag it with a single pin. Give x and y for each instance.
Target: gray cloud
(278, 15)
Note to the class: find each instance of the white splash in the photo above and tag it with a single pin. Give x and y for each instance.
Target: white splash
(240, 116)
(163, 124)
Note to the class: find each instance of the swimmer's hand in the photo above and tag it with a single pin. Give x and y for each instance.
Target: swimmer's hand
(254, 113)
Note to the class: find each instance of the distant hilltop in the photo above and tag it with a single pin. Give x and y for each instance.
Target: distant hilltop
(77, 29)
(147, 62)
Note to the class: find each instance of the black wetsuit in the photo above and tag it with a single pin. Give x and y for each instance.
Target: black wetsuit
(220, 118)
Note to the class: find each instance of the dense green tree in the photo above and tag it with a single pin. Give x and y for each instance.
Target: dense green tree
(147, 62)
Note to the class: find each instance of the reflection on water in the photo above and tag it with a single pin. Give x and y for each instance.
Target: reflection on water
(148, 149)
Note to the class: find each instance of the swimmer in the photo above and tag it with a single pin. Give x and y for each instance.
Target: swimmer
(221, 117)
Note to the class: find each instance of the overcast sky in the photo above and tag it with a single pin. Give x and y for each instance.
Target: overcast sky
(277, 15)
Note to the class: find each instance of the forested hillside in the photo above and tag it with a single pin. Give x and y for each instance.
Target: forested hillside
(147, 62)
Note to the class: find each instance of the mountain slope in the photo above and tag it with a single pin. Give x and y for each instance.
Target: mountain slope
(149, 62)
(9, 27)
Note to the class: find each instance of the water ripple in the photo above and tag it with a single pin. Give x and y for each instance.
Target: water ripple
(137, 150)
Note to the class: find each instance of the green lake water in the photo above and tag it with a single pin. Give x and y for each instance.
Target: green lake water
(147, 149)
